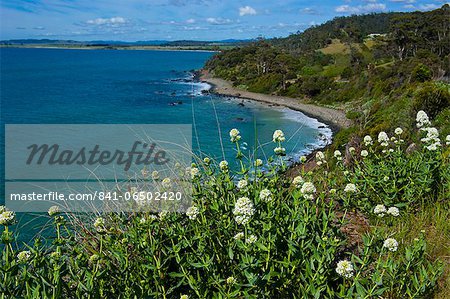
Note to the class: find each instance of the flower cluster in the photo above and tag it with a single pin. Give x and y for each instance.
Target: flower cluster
(383, 138)
(258, 163)
(298, 181)
(53, 210)
(155, 175)
(368, 140)
(350, 188)
(194, 172)
(320, 158)
(239, 236)
(345, 268)
(391, 244)
(308, 189)
(422, 119)
(380, 211)
(234, 135)
(278, 136)
(338, 155)
(223, 165)
(166, 183)
(99, 224)
(265, 195)
(231, 280)
(364, 153)
(432, 139)
(242, 184)
(243, 210)
(6, 217)
(192, 212)
(251, 239)
(23, 257)
(279, 151)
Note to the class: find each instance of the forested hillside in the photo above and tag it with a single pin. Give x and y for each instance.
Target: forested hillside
(370, 65)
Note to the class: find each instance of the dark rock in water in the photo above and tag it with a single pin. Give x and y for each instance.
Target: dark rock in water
(205, 91)
(180, 102)
(241, 103)
(239, 119)
(322, 127)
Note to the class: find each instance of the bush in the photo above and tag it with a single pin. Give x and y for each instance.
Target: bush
(421, 73)
(432, 98)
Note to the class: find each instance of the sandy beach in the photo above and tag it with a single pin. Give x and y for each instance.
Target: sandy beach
(333, 117)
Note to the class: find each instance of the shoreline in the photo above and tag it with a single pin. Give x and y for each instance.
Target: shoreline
(334, 118)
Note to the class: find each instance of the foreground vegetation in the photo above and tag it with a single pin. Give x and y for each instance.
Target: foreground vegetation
(342, 230)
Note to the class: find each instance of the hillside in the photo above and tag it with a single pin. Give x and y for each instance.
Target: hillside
(368, 65)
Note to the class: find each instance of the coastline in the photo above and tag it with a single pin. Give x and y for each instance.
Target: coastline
(334, 118)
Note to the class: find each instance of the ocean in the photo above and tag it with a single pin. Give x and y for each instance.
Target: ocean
(58, 86)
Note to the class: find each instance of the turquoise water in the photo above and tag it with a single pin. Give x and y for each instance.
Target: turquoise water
(54, 86)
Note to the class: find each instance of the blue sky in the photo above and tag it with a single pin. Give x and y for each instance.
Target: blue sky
(132, 20)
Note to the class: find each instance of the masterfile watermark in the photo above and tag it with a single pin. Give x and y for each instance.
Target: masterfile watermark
(86, 168)
(54, 154)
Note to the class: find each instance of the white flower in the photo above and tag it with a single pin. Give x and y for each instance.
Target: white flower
(234, 135)
(53, 210)
(231, 280)
(279, 150)
(99, 224)
(251, 239)
(379, 210)
(385, 178)
(383, 139)
(243, 210)
(350, 188)
(422, 119)
(223, 166)
(298, 181)
(391, 244)
(142, 220)
(192, 212)
(265, 195)
(351, 149)
(166, 183)
(7, 217)
(155, 175)
(194, 171)
(447, 140)
(393, 211)
(338, 155)
(163, 214)
(432, 139)
(23, 257)
(398, 131)
(308, 189)
(345, 269)
(364, 153)
(207, 160)
(242, 184)
(239, 236)
(368, 140)
(278, 136)
(258, 162)
(320, 156)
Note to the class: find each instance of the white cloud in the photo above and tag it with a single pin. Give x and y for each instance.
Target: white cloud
(409, 6)
(218, 21)
(107, 21)
(309, 11)
(404, 1)
(371, 7)
(428, 6)
(247, 10)
(190, 21)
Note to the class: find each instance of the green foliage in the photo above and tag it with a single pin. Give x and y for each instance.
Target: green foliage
(432, 98)
(290, 246)
(421, 73)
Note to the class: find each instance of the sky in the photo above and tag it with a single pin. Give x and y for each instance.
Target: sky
(138, 20)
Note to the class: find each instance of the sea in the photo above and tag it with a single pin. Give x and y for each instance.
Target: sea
(68, 86)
